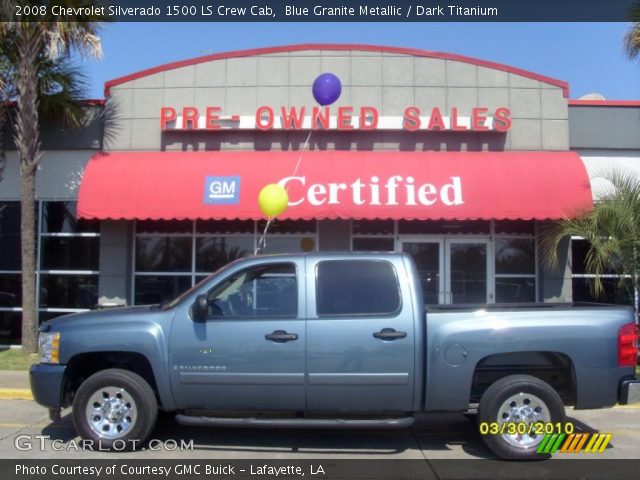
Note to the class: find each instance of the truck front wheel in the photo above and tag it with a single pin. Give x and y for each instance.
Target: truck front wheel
(514, 413)
(114, 409)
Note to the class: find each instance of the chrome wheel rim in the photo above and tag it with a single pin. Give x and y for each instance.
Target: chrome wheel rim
(523, 408)
(111, 412)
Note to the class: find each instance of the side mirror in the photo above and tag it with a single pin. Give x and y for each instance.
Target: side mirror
(199, 310)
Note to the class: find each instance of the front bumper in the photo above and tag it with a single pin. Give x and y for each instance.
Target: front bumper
(629, 392)
(46, 384)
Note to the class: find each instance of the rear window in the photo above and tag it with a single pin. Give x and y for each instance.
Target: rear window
(356, 287)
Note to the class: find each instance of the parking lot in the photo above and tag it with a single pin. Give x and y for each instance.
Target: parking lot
(27, 433)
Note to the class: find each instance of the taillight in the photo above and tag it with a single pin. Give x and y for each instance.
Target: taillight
(628, 345)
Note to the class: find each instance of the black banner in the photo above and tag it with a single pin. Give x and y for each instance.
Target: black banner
(322, 469)
(331, 10)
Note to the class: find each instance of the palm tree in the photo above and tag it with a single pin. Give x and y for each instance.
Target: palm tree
(34, 43)
(5, 96)
(612, 229)
(632, 37)
(60, 87)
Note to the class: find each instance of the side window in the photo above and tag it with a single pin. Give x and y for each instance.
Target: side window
(262, 291)
(356, 287)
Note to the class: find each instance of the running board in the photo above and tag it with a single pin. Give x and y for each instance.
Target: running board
(189, 420)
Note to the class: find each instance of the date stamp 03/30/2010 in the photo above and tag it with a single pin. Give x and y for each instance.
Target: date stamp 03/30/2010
(558, 437)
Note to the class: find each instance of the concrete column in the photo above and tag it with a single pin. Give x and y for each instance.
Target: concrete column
(115, 263)
(554, 285)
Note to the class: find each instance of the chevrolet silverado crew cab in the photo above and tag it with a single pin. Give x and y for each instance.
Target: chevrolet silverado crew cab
(332, 340)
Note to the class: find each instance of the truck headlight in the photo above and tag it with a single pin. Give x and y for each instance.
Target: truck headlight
(49, 346)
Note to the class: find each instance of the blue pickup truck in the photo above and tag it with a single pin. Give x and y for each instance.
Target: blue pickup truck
(332, 340)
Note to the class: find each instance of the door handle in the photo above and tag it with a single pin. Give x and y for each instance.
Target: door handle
(389, 334)
(281, 336)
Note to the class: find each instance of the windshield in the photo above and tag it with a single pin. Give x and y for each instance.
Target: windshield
(186, 293)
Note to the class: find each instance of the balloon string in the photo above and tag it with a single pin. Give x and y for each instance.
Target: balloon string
(262, 243)
(304, 148)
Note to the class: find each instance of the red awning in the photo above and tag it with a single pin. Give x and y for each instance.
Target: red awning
(336, 184)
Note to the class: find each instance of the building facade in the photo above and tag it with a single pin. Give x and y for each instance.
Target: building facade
(457, 161)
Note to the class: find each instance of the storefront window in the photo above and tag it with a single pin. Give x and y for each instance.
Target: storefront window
(515, 270)
(445, 250)
(617, 288)
(10, 307)
(10, 275)
(515, 289)
(10, 327)
(67, 264)
(152, 289)
(163, 260)
(583, 291)
(515, 256)
(45, 315)
(65, 291)
(289, 236)
(70, 253)
(213, 253)
(69, 261)
(163, 254)
(171, 256)
(10, 236)
(10, 290)
(60, 217)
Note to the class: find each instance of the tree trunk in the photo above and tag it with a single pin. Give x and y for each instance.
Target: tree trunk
(3, 121)
(28, 144)
(28, 251)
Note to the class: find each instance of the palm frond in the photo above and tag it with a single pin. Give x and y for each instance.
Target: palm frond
(62, 85)
(612, 230)
(79, 32)
(632, 37)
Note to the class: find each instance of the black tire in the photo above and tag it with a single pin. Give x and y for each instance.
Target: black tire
(124, 395)
(533, 393)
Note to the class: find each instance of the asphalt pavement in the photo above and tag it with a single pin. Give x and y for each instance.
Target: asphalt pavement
(26, 432)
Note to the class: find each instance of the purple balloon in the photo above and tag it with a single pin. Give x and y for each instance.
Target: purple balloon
(327, 89)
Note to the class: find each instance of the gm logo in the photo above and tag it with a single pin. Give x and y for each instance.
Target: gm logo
(222, 190)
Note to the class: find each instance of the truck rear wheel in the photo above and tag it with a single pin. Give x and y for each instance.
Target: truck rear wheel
(510, 407)
(115, 409)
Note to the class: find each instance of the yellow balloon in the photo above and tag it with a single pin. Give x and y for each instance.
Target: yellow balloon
(307, 244)
(273, 200)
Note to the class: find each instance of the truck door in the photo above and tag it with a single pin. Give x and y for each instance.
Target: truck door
(360, 337)
(249, 353)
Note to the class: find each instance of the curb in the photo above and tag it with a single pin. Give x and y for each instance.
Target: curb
(15, 394)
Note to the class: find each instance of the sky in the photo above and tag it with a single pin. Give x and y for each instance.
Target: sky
(589, 56)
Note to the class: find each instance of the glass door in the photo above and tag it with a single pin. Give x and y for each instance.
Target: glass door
(429, 258)
(452, 271)
(467, 271)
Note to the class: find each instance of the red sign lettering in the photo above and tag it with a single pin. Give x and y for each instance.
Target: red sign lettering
(481, 119)
(167, 114)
